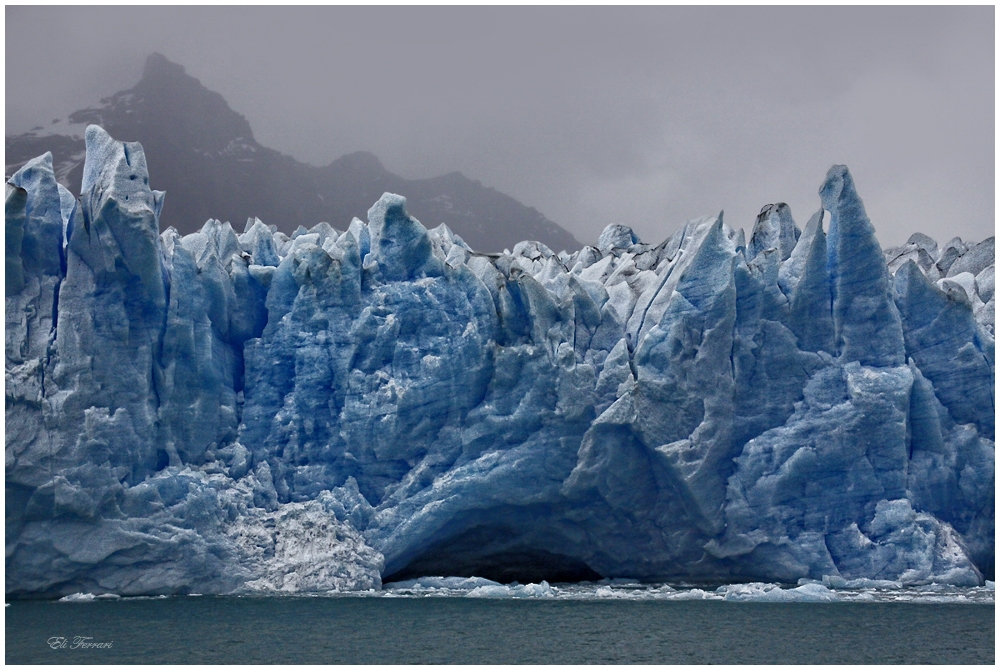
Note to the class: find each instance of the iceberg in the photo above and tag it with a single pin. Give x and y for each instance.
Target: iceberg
(227, 412)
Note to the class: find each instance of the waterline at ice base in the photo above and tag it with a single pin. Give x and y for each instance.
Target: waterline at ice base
(253, 413)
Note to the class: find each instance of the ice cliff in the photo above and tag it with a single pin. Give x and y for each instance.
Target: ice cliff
(227, 412)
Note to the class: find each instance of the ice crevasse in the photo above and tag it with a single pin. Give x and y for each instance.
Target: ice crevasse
(227, 412)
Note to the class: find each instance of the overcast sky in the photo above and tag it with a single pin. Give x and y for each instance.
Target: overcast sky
(644, 116)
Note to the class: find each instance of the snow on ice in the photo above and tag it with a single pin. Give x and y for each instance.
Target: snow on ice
(227, 413)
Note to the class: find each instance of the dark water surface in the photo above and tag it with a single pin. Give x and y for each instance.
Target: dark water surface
(466, 630)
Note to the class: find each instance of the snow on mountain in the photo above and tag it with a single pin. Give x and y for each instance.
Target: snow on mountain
(220, 412)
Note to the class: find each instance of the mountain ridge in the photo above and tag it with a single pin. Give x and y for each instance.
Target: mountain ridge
(205, 152)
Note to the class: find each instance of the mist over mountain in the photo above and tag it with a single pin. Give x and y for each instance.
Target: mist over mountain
(204, 155)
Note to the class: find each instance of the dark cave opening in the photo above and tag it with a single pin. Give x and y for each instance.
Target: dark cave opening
(495, 553)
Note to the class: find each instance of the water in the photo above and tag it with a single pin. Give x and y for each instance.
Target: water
(616, 623)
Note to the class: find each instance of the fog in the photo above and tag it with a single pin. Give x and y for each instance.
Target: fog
(645, 116)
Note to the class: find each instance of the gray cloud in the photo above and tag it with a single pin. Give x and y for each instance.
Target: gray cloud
(645, 116)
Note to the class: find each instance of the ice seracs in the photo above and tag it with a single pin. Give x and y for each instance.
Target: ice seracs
(223, 412)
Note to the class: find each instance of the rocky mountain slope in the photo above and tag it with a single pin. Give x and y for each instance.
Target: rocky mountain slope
(204, 155)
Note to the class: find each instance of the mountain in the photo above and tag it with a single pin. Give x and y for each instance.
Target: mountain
(221, 413)
(204, 155)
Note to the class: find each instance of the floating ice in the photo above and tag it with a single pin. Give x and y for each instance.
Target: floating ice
(542, 590)
(247, 413)
(444, 583)
(478, 587)
(772, 593)
(78, 598)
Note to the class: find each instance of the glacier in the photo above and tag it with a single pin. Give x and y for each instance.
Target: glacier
(258, 413)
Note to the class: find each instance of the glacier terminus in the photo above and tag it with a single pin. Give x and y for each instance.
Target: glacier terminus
(231, 412)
